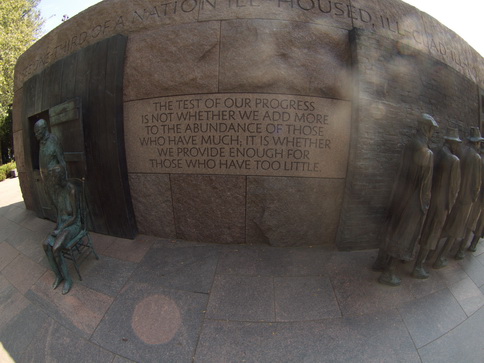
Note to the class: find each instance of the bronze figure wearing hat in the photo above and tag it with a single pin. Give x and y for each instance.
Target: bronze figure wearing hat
(409, 202)
(445, 186)
(457, 221)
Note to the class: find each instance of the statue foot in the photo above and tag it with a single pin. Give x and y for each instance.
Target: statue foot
(440, 263)
(389, 279)
(460, 255)
(472, 247)
(67, 287)
(57, 282)
(420, 273)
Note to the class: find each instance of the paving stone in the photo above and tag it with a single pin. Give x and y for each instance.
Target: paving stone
(119, 359)
(474, 269)
(11, 301)
(356, 286)
(80, 310)
(304, 298)
(451, 274)
(106, 275)
(181, 267)
(43, 226)
(56, 343)
(432, 316)
(242, 298)
(273, 261)
(101, 242)
(468, 295)
(150, 324)
(128, 250)
(29, 243)
(373, 338)
(19, 332)
(16, 212)
(23, 273)
(8, 228)
(7, 254)
(464, 343)
(21, 235)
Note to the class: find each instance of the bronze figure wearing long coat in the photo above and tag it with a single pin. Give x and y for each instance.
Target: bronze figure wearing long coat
(409, 202)
(410, 199)
(445, 187)
(458, 220)
(456, 223)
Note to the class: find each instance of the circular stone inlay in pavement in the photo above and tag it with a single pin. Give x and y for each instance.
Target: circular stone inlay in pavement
(156, 319)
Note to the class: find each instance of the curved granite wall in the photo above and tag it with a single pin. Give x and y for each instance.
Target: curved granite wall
(253, 121)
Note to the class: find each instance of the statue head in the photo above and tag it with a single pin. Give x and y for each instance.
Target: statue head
(427, 124)
(40, 129)
(452, 139)
(475, 138)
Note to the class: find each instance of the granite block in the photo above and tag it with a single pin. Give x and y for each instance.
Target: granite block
(468, 296)
(323, 13)
(274, 261)
(80, 310)
(153, 205)
(185, 267)
(464, 343)
(7, 254)
(22, 328)
(150, 324)
(128, 250)
(106, 275)
(209, 208)
(242, 298)
(193, 70)
(23, 273)
(356, 287)
(290, 56)
(430, 317)
(474, 269)
(304, 298)
(311, 219)
(374, 338)
(56, 343)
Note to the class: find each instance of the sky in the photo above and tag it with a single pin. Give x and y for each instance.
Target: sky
(464, 17)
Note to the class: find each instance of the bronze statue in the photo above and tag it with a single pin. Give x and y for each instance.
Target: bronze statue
(66, 201)
(476, 221)
(445, 187)
(50, 153)
(409, 202)
(457, 221)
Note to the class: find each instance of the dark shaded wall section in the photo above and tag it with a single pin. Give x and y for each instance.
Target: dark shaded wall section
(394, 84)
(94, 76)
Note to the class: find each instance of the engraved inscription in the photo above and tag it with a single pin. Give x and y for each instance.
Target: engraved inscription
(242, 134)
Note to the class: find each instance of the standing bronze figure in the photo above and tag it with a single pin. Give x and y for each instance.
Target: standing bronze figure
(445, 187)
(475, 223)
(409, 202)
(50, 154)
(456, 223)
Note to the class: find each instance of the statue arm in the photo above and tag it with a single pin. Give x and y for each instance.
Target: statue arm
(476, 180)
(73, 200)
(60, 156)
(454, 184)
(427, 162)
